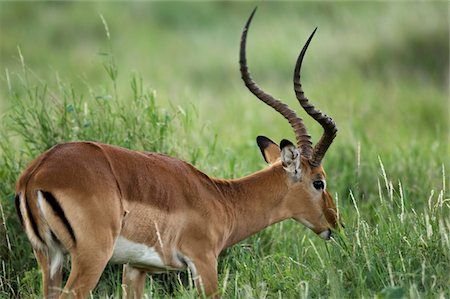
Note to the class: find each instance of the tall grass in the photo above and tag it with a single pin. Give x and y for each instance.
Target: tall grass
(388, 168)
(44, 114)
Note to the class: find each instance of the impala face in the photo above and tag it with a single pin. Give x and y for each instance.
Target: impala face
(314, 206)
(307, 199)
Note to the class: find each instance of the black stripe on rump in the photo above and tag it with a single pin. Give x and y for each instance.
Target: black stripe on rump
(33, 221)
(59, 212)
(19, 213)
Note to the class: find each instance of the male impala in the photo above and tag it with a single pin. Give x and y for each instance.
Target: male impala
(153, 213)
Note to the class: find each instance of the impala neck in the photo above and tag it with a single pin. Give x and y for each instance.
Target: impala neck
(256, 201)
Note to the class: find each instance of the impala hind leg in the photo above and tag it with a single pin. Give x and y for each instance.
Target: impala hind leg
(133, 282)
(51, 285)
(87, 266)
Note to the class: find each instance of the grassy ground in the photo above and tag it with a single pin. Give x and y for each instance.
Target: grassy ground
(166, 79)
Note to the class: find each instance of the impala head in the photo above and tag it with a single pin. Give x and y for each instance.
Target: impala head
(308, 199)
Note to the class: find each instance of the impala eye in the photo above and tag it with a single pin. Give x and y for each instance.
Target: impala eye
(319, 185)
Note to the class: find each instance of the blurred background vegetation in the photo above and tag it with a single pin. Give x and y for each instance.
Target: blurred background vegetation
(380, 69)
(370, 62)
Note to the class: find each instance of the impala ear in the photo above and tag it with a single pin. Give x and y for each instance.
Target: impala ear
(269, 150)
(290, 158)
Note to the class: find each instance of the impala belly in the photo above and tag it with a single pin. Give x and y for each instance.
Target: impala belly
(142, 256)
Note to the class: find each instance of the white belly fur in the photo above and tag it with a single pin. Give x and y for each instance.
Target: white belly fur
(126, 251)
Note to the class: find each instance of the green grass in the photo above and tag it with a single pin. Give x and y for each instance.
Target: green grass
(167, 80)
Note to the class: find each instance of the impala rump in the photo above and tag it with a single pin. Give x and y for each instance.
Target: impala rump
(57, 210)
(36, 224)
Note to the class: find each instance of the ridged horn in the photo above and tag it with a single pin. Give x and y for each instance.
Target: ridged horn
(301, 134)
(325, 121)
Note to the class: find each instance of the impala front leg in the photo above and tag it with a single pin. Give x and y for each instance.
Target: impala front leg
(204, 274)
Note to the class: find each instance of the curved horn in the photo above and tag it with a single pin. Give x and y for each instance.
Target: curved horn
(296, 123)
(325, 121)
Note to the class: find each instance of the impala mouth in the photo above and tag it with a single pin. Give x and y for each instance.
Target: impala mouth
(326, 234)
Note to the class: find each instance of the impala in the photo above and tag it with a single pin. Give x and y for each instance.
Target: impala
(101, 203)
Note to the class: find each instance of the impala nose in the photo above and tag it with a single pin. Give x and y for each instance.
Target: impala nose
(326, 234)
